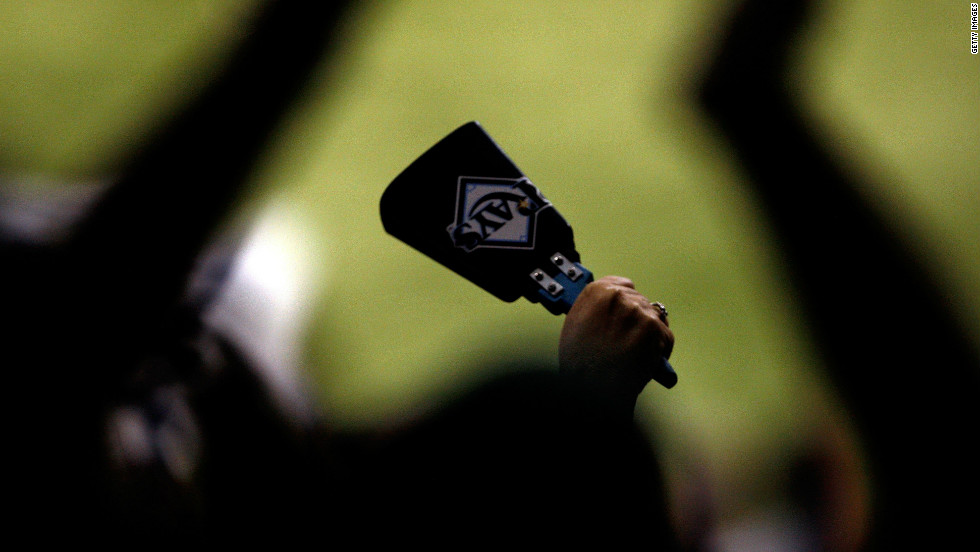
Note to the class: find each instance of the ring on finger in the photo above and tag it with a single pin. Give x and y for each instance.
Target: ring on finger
(660, 306)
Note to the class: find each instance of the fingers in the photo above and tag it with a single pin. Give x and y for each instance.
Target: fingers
(649, 319)
(615, 338)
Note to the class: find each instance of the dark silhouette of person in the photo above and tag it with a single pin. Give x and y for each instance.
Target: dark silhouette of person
(903, 366)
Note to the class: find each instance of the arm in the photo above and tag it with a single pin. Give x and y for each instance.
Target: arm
(611, 340)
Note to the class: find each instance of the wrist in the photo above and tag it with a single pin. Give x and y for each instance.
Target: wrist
(616, 397)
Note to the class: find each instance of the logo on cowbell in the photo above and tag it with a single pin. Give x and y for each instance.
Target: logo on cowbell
(496, 212)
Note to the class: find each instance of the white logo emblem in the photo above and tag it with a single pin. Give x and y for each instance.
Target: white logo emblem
(496, 212)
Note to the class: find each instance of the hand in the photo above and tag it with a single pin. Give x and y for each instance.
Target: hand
(613, 338)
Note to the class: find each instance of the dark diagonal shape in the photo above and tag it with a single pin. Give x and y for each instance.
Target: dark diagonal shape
(88, 310)
(906, 371)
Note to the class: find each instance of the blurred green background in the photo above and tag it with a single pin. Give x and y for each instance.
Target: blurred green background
(593, 100)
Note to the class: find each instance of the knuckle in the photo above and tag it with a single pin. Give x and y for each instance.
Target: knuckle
(622, 301)
(605, 291)
(616, 281)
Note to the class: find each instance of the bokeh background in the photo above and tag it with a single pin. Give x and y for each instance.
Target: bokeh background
(597, 103)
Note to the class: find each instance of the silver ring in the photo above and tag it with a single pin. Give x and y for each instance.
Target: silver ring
(660, 306)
